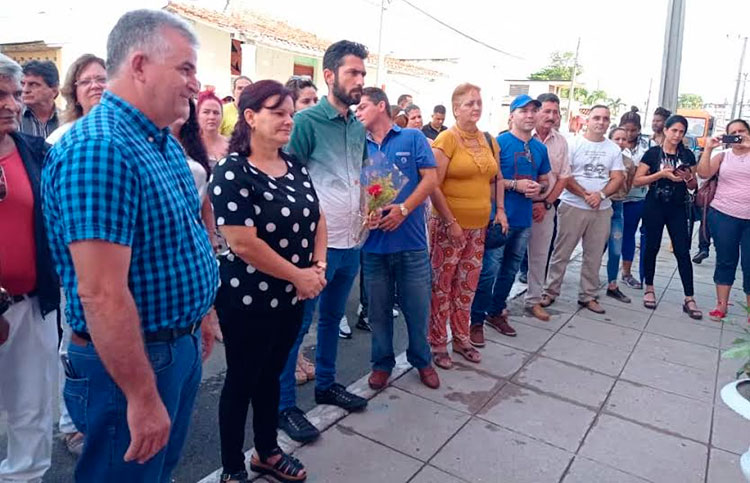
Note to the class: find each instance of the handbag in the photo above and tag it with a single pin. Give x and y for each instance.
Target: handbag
(495, 237)
(704, 195)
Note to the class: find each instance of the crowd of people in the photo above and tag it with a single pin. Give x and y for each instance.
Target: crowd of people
(149, 218)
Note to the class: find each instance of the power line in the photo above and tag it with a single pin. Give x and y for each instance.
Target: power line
(459, 32)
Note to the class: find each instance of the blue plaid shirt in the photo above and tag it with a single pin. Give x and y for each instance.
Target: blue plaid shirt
(116, 177)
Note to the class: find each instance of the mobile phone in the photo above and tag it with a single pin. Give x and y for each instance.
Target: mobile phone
(731, 139)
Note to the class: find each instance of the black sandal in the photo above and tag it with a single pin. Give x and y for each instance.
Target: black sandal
(649, 304)
(240, 477)
(287, 469)
(693, 313)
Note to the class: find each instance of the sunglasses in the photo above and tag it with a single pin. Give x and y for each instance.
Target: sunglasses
(3, 185)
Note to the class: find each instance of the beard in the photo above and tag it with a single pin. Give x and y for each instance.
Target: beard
(348, 98)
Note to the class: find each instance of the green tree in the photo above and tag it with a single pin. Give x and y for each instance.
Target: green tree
(581, 93)
(560, 67)
(690, 101)
(614, 106)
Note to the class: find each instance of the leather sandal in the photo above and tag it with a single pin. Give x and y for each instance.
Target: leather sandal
(649, 304)
(442, 360)
(468, 352)
(693, 311)
(287, 468)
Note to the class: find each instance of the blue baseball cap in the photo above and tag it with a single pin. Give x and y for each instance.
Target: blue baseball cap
(523, 100)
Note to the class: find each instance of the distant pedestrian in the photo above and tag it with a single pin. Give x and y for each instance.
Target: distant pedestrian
(304, 91)
(210, 114)
(229, 113)
(41, 86)
(436, 124)
(413, 116)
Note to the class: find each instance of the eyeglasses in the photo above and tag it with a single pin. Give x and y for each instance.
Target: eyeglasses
(3, 185)
(90, 81)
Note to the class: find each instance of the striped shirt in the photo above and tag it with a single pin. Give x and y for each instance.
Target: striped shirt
(34, 127)
(116, 177)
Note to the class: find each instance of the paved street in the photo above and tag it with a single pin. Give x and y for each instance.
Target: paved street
(629, 396)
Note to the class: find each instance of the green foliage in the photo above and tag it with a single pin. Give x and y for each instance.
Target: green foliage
(560, 67)
(740, 348)
(690, 101)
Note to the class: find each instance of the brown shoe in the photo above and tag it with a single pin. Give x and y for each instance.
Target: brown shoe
(593, 306)
(500, 324)
(378, 379)
(429, 377)
(476, 335)
(538, 312)
(546, 301)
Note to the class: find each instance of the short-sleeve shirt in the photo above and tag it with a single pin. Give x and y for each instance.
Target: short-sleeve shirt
(117, 177)
(333, 149)
(557, 151)
(732, 194)
(591, 164)
(669, 192)
(285, 212)
(471, 169)
(229, 117)
(409, 152)
(521, 160)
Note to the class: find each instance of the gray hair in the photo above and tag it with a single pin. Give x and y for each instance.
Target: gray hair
(143, 30)
(9, 69)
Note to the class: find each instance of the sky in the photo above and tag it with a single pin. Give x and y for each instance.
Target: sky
(621, 42)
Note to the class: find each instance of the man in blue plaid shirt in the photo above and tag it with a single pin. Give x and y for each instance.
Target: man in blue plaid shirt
(136, 264)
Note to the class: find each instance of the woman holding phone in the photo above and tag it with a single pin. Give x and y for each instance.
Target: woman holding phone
(729, 213)
(669, 171)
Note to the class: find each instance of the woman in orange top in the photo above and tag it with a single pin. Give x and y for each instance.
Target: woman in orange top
(467, 171)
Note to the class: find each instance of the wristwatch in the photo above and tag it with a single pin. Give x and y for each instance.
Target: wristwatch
(547, 205)
(602, 195)
(404, 210)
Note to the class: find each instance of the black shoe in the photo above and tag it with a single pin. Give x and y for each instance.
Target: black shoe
(363, 323)
(523, 278)
(240, 476)
(294, 423)
(702, 255)
(337, 395)
(617, 294)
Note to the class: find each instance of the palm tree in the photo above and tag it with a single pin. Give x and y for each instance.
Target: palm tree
(615, 105)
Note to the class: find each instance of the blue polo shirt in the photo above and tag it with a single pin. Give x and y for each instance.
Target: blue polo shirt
(521, 160)
(117, 177)
(409, 152)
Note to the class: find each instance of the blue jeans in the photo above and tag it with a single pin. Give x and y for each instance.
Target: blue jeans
(342, 270)
(98, 409)
(632, 212)
(499, 268)
(733, 242)
(615, 241)
(411, 271)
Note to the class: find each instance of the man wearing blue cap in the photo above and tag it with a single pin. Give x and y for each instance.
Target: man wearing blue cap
(524, 164)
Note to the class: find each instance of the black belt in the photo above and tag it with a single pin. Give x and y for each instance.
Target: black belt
(161, 335)
(22, 297)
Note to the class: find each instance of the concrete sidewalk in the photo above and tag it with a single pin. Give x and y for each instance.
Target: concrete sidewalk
(628, 396)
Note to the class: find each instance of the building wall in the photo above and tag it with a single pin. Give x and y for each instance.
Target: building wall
(214, 57)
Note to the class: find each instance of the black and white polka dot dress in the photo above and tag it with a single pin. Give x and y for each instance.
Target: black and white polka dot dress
(285, 212)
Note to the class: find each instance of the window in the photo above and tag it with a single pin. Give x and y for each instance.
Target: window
(307, 70)
(518, 89)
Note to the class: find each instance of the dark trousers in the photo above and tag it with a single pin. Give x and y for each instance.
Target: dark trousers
(257, 345)
(525, 262)
(733, 243)
(704, 230)
(657, 215)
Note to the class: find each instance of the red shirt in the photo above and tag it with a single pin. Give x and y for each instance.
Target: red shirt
(17, 246)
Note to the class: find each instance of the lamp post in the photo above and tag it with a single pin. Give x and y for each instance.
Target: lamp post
(671, 61)
(739, 77)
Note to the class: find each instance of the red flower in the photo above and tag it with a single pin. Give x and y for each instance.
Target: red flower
(375, 190)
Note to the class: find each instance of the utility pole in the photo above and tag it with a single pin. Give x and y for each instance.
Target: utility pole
(742, 99)
(672, 59)
(739, 78)
(380, 73)
(571, 92)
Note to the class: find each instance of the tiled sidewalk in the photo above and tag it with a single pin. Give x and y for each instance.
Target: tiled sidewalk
(628, 396)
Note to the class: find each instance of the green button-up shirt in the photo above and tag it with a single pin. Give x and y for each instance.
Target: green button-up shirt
(333, 148)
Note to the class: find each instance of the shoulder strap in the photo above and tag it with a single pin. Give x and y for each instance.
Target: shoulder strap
(489, 141)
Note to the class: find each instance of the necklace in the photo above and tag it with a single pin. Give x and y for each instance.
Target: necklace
(476, 146)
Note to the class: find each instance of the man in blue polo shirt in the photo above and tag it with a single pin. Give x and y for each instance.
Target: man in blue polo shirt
(524, 164)
(395, 252)
(125, 231)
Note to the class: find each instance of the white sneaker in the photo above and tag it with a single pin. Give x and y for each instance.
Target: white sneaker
(345, 332)
(395, 313)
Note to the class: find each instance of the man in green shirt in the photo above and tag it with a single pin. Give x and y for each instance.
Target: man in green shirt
(330, 142)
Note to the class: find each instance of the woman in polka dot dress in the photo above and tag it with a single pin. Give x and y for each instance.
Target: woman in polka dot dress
(267, 209)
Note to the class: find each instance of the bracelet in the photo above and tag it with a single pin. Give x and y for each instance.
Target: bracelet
(449, 222)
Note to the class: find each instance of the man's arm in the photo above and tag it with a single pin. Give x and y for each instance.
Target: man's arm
(575, 188)
(115, 328)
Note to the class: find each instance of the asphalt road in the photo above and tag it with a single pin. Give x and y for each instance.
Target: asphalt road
(201, 455)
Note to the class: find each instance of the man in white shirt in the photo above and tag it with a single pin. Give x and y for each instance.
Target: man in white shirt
(585, 210)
